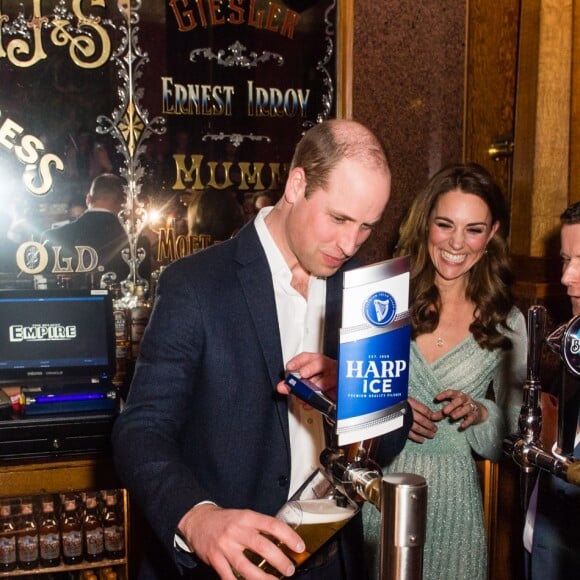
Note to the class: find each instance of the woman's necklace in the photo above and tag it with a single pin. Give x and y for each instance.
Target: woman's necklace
(439, 341)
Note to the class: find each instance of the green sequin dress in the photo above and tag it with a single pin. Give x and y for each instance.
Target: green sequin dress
(455, 545)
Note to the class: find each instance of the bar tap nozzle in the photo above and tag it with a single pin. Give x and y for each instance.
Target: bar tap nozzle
(525, 446)
(530, 419)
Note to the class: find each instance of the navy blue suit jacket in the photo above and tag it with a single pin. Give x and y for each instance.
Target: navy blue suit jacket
(102, 231)
(203, 420)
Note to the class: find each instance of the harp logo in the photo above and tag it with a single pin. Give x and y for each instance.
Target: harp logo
(380, 309)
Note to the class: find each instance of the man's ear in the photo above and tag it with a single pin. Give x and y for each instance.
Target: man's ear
(295, 185)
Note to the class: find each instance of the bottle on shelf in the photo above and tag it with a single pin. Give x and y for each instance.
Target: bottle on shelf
(122, 337)
(104, 571)
(93, 535)
(27, 536)
(71, 532)
(49, 534)
(114, 528)
(139, 317)
(7, 537)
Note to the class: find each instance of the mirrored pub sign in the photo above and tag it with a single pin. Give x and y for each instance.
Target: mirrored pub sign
(193, 106)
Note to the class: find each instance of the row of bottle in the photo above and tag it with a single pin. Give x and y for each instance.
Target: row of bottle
(55, 529)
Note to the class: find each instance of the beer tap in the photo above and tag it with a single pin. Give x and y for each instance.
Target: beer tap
(530, 419)
(564, 342)
(351, 470)
(525, 447)
(400, 498)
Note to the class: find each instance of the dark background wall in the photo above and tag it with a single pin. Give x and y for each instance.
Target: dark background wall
(408, 86)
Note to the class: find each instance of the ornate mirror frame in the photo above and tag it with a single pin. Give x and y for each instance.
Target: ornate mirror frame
(296, 50)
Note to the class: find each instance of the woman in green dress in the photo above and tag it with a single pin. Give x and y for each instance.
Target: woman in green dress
(467, 335)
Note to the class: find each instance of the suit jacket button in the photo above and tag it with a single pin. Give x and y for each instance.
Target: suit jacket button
(283, 481)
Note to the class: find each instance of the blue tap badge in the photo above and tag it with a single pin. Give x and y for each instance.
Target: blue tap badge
(571, 346)
(380, 309)
(374, 351)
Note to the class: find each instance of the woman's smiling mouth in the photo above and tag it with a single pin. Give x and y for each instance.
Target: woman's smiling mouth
(455, 258)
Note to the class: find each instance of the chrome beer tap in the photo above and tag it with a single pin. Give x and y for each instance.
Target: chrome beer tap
(401, 498)
(526, 447)
(351, 470)
(530, 419)
(565, 341)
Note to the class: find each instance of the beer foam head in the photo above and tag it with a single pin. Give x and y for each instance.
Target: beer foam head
(323, 511)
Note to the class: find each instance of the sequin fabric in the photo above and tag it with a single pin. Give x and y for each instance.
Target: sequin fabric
(455, 545)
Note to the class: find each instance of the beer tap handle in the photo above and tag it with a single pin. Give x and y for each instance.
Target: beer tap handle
(566, 341)
(531, 413)
(311, 394)
(530, 420)
(536, 333)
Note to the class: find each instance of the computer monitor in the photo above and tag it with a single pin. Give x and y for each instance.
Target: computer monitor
(52, 336)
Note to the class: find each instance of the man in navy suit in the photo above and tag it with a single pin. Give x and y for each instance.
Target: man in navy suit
(98, 228)
(555, 553)
(207, 447)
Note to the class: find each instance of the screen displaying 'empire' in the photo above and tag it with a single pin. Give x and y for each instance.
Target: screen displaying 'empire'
(45, 335)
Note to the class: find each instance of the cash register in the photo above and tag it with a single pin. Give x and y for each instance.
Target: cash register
(57, 361)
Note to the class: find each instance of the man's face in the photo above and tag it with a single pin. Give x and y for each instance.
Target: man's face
(326, 229)
(570, 252)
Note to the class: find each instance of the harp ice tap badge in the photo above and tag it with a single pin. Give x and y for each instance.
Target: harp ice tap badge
(374, 349)
(380, 309)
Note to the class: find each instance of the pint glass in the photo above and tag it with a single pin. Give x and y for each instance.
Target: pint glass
(316, 512)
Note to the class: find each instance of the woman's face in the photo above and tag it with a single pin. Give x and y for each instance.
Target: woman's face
(460, 227)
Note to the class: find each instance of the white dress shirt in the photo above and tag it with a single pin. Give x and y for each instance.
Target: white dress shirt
(301, 324)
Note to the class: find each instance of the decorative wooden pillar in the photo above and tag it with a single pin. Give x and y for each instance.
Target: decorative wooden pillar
(574, 190)
(541, 162)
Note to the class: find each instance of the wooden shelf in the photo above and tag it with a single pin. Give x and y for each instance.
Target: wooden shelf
(35, 477)
(65, 568)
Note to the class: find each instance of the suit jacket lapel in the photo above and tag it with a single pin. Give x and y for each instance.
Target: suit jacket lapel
(255, 279)
(256, 282)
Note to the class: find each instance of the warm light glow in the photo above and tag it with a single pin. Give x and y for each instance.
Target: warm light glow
(154, 217)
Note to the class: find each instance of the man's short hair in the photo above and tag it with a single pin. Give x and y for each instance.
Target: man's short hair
(571, 214)
(107, 185)
(326, 144)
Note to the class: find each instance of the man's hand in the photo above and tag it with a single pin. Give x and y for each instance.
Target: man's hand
(219, 537)
(320, 369)
(424, 420)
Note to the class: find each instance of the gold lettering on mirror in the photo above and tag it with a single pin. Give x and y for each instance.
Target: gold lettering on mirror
(33, 33)
(28, 150)
(230, 95)
(76, 32)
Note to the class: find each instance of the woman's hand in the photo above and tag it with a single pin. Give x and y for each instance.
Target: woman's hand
(462, 407)
(423, 422)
